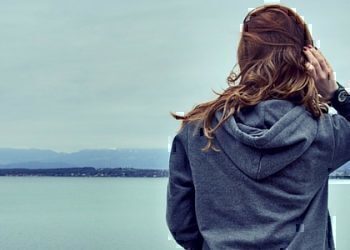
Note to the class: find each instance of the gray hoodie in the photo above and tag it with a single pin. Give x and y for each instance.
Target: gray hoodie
(266, 189)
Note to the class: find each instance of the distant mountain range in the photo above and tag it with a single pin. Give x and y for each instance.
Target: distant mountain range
(97, 158)
(11, 158)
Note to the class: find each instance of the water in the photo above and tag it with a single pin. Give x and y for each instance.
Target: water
(106, 213)
(83, 213)
(339, 207)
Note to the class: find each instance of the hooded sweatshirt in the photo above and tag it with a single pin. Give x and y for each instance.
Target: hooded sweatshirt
(266, 189)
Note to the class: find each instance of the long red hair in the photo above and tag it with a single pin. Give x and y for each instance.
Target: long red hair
(272, 66)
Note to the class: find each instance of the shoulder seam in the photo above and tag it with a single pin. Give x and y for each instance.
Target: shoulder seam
(187, 139)
(333, 141)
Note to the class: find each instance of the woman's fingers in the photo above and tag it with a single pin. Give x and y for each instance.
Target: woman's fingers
(328, 64)
(313, 60)
(318, 67)
(325, 65)
(310, 65)
(310, 69)
(320, 58)
(330, 72)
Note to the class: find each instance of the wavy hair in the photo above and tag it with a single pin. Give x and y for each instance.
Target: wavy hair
(272, 66)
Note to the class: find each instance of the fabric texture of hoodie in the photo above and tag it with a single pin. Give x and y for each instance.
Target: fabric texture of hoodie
(267, 188)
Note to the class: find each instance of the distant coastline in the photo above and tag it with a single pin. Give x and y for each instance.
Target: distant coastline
(339, 177)
(85, 172)
(104, 172)
(97, 163)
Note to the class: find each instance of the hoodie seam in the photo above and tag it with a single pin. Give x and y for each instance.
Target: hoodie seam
(333, 141)
(259, 168)
(187, 138)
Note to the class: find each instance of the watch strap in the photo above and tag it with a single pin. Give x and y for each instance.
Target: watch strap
(342, 108)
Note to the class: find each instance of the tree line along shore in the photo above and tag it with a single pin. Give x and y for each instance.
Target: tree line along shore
(86, 172)
(110, 172)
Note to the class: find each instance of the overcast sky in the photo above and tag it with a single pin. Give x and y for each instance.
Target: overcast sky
(106, 74)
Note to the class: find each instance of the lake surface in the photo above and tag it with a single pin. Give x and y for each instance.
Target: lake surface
(54, 213)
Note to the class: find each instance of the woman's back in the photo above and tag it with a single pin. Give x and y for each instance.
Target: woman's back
(267, 189)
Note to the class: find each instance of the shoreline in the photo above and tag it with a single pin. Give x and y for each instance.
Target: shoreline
(100, 172)
(85, 172)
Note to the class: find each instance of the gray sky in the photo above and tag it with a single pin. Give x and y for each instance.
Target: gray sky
(105, 74)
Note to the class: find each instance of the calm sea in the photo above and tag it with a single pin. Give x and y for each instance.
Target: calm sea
(106, 213)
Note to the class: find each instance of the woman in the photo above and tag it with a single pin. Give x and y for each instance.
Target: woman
(250, 169)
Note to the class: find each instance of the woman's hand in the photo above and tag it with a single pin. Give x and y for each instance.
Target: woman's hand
(320, 69)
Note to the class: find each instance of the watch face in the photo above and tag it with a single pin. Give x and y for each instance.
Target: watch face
(342, 96)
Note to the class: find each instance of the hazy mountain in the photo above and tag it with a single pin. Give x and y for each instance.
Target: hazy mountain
(37, 164)
(98, 158)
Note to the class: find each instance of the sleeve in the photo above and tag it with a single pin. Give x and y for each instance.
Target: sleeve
(180, 208)
(341, 130)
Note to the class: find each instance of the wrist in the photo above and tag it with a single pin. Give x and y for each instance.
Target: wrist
(333, 92)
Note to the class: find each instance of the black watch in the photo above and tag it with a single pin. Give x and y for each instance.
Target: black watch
(340, 96)
(341, 102)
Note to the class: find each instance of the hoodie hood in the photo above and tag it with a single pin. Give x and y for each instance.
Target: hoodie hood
(263, 139)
